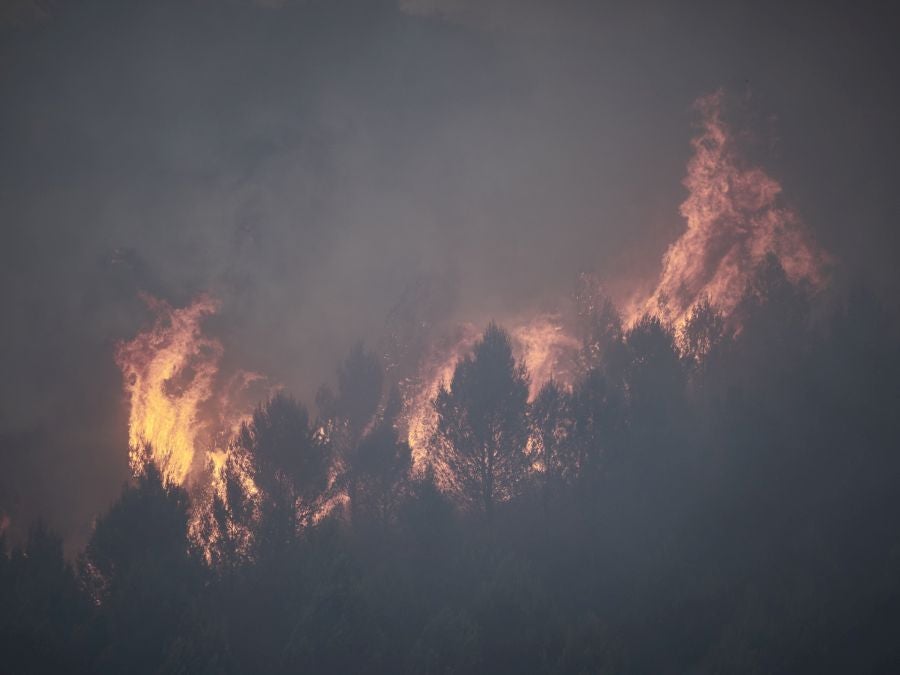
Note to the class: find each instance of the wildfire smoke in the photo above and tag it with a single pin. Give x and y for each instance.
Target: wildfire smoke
(181, 406)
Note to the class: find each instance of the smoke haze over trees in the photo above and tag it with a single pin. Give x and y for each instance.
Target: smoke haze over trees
(706, 500)
(449, 336)
(304, 161)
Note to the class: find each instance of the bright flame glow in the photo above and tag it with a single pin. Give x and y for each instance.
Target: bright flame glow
(540, 342)
(181, 406)
(178, 404)
(547, 350)
(436, 369)
(734, 221)
(169, 372)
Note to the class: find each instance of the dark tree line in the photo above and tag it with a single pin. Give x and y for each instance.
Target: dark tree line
(720, 499)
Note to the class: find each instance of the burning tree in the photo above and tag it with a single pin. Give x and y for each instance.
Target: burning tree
(550, 421)
(482, 427)
(379, 467)
(291, 465)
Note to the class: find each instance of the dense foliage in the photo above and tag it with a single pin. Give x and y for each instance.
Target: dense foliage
(711, 501)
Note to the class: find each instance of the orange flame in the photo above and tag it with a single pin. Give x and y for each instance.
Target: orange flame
(178, 405)
(436, 369)
(734, 221)
(547, 350)
(169, 372)
(540, 342)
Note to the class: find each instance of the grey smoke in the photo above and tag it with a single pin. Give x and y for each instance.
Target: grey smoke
(306, 162)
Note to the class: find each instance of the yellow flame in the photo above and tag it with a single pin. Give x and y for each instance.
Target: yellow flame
(180, 406)
(179, 403)
(168, 372)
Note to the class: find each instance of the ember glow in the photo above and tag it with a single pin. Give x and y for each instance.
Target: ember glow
(734, 220)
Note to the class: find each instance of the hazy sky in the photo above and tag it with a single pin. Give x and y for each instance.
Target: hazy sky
(305, 161)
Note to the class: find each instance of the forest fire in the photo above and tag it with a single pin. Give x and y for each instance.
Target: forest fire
(169, 372)
(547, 349)
(449, 336)
(541, 343)
(734, 220)
(180, 407)
(436, 370)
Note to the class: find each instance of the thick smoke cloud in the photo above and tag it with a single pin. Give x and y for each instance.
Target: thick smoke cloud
(305, 162)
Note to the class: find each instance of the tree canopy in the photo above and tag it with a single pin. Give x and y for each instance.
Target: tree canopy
(719, 497)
